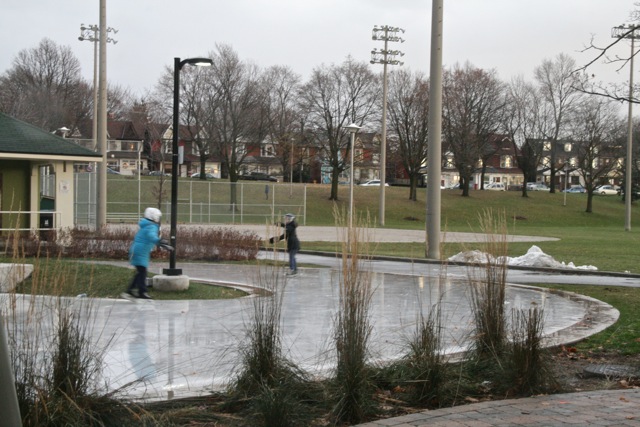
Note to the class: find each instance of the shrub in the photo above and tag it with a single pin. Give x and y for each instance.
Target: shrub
(195, 243)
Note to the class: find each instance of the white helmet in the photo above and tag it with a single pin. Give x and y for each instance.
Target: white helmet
(153, 214)
(290, 217)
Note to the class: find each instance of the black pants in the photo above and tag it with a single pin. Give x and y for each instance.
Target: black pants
(139, 280)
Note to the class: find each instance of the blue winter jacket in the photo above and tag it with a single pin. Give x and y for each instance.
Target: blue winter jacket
(147, 237)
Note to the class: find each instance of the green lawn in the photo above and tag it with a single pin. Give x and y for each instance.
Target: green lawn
(71, 278)
(596, 238)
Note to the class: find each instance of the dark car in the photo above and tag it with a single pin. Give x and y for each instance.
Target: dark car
(258, 176)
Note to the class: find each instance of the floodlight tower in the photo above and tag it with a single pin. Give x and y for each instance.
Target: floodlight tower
(90, 33)
(628, 32)
(385, 57)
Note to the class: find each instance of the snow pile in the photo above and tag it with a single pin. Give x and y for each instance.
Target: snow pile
(533, 258)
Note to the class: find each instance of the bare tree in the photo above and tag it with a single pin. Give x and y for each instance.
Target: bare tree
(522, 122)
(599, 134)
(472, 107)
(333, 98)
(44, 87)
(282, 87)
(235, 116)
(588, 82)
(409, 119)
(557, 83)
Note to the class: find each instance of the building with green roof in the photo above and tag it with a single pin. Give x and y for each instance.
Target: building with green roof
(36, 176)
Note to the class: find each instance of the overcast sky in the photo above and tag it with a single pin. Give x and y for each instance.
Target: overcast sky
(510, 36)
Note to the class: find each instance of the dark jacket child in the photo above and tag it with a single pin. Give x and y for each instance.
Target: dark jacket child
(293, 244)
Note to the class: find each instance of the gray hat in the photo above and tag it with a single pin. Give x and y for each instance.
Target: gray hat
(290, 215)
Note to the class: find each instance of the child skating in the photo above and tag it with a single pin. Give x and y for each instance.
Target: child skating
(293, 244)
(145, 240)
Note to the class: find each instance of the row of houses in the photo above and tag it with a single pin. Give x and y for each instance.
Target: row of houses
(37, 168)
(145, 148)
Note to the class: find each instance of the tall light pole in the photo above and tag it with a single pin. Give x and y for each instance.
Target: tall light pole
(101, 196)
(435, 134)
(177, 66)
(628, 32)
(90, 33)
(353, 129)
(291, 169)
(385, 57)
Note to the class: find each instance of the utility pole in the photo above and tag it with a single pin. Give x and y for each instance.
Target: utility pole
(385, 57)
(628, 32)
(101, 194)
(435, 134)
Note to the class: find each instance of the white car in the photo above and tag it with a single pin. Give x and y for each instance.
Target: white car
(537, 186)
(496, 186)
(373, 183)
(606, 190)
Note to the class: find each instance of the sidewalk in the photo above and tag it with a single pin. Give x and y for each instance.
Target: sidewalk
(335, 234)
(594, 408)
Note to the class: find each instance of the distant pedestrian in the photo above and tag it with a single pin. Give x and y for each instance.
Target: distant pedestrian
(293, 244)
(145, 240)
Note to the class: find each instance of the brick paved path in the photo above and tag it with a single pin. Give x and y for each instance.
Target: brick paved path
(594, 408)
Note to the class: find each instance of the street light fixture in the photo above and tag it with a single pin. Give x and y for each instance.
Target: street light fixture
(353, 129)
(91, 34)
(385, 57)
(177, 66)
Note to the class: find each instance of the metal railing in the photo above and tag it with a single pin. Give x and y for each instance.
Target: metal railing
(46, 220)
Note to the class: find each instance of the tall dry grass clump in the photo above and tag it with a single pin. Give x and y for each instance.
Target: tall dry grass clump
(275, 386)
(528, 360)
(427, 369)
(488, 287)
(352, 382)
(516, 361)
(56, 360)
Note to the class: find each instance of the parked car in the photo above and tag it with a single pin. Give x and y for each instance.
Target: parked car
(258, 176)
(606, 190)
(373, 183)
(158, 173)
(576, 189)
(496, 186)
(454, 187)
(113, 172)
(207, 175)
(536, 186)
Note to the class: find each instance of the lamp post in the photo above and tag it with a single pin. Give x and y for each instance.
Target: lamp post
(353, 129)
(566, 177)
(177, 66)
(291, 169)
(385, 57)
(628, 32)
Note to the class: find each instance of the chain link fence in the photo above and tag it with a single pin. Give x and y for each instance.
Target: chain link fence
(199, 202)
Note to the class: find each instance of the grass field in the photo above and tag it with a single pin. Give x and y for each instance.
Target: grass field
(596, 238)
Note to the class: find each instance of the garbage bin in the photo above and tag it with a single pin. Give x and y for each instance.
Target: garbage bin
(45, 223)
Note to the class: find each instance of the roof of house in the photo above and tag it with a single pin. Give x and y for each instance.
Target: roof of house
(22, 138)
